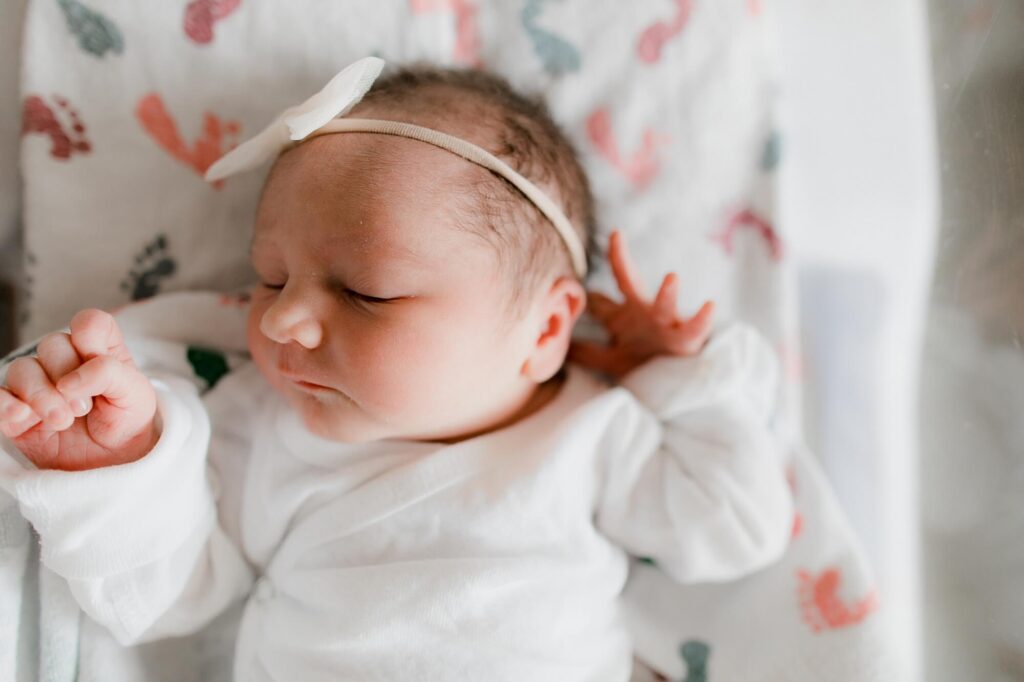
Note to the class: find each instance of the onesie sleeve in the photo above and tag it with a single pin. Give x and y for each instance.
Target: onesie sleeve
(139, 544)
(694, 478)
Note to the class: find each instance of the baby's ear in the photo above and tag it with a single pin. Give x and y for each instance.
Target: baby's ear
(557, 312)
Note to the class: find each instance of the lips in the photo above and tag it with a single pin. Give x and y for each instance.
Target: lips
(311, 385)
(298, 378)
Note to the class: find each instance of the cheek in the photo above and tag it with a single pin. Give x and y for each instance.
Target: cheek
(423, 361)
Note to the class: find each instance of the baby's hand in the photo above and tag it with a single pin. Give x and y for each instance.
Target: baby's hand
(640, 329)
(80, 403)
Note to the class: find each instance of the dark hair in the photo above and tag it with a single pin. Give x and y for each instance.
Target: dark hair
(520, 131)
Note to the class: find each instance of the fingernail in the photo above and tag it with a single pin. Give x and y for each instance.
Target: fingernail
(79, 407)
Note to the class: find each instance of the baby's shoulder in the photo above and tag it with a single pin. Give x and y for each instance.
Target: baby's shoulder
(596, 400)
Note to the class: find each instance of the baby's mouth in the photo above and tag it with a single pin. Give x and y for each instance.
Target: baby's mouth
(310, 386)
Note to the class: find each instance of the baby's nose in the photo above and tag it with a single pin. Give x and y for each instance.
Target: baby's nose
(291, 324)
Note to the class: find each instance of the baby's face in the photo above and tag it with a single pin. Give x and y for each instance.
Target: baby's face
(370, 291)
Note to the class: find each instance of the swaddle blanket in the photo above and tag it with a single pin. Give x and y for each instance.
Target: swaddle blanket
(810, 616)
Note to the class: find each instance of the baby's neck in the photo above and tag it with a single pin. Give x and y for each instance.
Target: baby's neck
(535, 400)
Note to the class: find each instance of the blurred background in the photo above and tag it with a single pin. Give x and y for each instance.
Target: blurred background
(902, 193)
(972, 384)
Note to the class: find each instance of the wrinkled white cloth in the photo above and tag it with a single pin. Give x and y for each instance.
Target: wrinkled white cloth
(500, 557)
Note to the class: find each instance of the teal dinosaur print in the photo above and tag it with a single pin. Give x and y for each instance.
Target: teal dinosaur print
(772, 152)
(208, 364)
(557, 54)
(96, 34)
(695, 653)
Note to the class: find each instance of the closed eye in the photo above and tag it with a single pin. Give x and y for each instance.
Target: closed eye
(368, 299)
(348, 292)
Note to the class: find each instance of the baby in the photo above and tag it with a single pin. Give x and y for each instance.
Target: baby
(407, 482)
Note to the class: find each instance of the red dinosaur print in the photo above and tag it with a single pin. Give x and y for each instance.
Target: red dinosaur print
(798, 525)
(201, 15)
(467, 32)
(37, 117)
(654, 37)
(217, 138)
(822, 607)
(643, 166)
(747, 219)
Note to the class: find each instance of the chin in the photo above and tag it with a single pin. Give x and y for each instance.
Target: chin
(341, 429)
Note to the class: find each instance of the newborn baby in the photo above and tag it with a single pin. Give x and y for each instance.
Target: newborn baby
(408, 482)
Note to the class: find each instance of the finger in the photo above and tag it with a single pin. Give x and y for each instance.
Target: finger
(105, 376)
(29, 383)
(664, 308)
(622, 267)
(58, 357)
(95, 332)
(600, 306)
(595, 356)
(696, 330)
(14, 427)
(12, 409)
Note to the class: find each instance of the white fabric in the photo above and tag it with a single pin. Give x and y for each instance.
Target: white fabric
(500, 557)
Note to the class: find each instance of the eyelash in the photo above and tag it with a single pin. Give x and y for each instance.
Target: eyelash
(354, 294)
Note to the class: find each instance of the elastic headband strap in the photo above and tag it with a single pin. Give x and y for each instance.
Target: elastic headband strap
(477, 155)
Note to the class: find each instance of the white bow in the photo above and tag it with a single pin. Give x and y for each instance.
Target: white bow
(295, 123)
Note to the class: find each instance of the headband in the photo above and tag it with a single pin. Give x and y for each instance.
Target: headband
(322, 114)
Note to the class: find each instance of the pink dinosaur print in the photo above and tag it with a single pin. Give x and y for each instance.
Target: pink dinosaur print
(791, 478)
(218, 136)
(467, 33)
(822, 607)
(754, 6)
(201, 15)
(37, 117)
(643, 166)
(747, 219)
(798, 518)
(798, 525)
(654, 37)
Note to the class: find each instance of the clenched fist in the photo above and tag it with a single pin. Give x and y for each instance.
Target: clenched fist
(80, 403)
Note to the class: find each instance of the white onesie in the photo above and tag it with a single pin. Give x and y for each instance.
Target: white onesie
(497, 558)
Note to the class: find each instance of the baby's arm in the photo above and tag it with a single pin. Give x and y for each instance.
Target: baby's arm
(694, 474)
(137, 538)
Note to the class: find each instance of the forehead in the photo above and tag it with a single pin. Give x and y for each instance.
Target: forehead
(366, 191)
